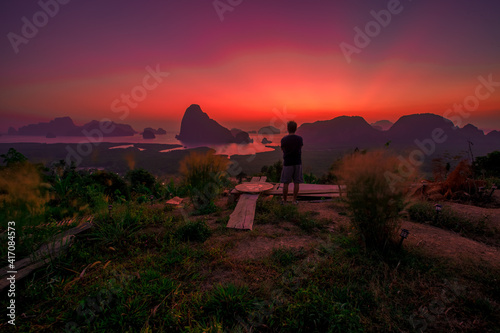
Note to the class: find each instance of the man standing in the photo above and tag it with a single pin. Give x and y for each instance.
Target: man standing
(291, 145)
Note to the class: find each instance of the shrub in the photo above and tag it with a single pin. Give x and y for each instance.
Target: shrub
(489, 165)
(141, 181)
(13, 157)
(285, 256)
(376, 194)
(117, 227)
(22, 193)
(113, 185)
(197, 231)
(204, 175)
(228, 303)
(273, 172)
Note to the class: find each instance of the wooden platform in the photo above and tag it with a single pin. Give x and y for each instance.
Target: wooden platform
(305, 190)
(243, 215)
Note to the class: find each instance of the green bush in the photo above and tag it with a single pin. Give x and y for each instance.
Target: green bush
(196, 231)
(112, 184)
(141, 181)
(228, 303)
(425, 212)
(285, 256)
(273, 172)
(205, 176)
(376, 194)
(314, 309)
(117, 227)
(488, 166)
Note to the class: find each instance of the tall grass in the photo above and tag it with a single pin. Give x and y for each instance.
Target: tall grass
(205, 176)
(23, 198)
(22, 192)
(375, 199)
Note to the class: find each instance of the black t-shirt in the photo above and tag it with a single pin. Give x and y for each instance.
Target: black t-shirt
(292, 149)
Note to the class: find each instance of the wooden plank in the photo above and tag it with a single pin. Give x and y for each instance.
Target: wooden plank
(255, 180)
(243, 215)
(320, 195)
(309, 189)
(43, 255)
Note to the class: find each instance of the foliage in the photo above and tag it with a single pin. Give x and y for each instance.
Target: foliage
(196, 231)
(228, 303)
(112, 184)
(116, 227)
(285, 256)
(141, 181)
(13, 157)
(310, 178)
(375, 199)
(488, 166)
(425, 212)
(273, 172)
(332, 176)
(23, 194)
(205, 176)
(272, 212)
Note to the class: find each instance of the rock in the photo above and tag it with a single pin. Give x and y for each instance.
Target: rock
(61, 126)
(235, 131)
(198, 127)
(148, 134)
(242, 137)
(343, 131)
(265, 141)
(382, 125)
(161, 131)
(114, 129)
(64, 126)
(12, 131)
(269, 130)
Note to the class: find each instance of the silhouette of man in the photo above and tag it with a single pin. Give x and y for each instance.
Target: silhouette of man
(291, 145)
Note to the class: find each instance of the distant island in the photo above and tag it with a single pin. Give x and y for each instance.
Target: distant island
(198, 127)
(408, 131)
(64, 126)
(345, 132)
(269, 130)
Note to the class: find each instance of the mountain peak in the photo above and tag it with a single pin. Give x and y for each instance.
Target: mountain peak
(198, 127)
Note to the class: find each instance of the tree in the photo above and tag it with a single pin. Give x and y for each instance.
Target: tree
(13, 157)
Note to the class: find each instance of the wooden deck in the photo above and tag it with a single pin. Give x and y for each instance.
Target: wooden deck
(244, 213)
(305, 190)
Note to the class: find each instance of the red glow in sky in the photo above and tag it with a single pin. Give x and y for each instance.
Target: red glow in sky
(261, 56)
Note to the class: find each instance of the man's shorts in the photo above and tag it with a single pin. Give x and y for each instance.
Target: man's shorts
(292, 173)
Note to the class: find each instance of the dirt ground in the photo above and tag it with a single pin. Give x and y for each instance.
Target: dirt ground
(433, 241)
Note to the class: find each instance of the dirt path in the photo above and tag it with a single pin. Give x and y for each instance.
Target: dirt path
(434, 241)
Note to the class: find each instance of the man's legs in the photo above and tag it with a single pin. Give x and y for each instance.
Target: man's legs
(285, 191)
(295, 191)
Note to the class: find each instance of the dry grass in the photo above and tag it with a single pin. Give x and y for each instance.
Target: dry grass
(22, 186)
(376, 194)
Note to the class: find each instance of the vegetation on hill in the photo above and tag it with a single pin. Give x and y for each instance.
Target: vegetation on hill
(146, 266)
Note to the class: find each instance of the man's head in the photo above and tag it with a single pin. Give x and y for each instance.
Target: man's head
(291, 126)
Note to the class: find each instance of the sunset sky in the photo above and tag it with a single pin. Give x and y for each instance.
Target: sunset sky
(244, 61)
